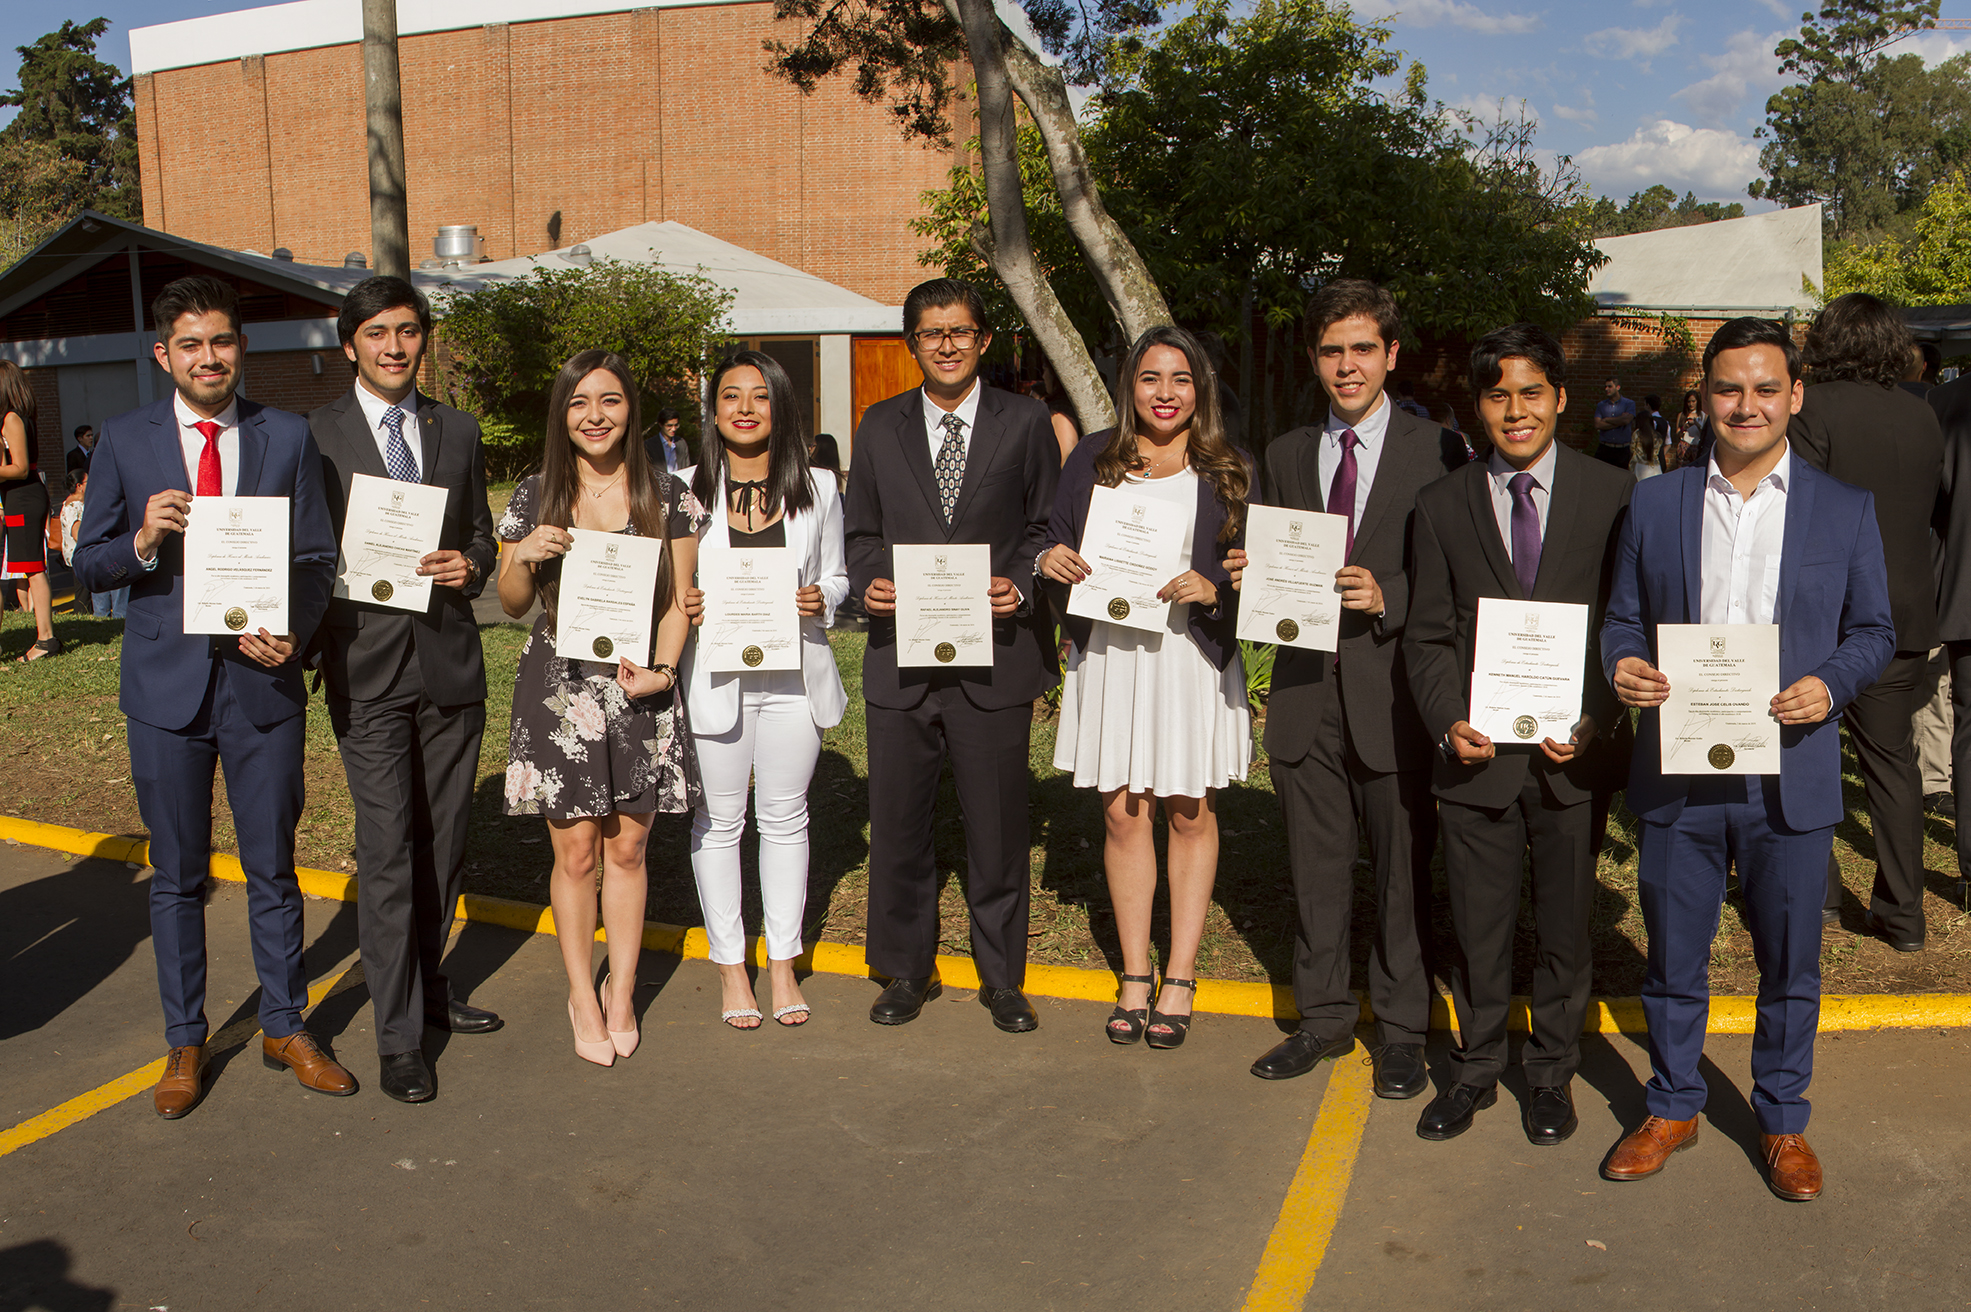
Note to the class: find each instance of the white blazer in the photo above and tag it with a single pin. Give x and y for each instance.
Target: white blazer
(712, 700)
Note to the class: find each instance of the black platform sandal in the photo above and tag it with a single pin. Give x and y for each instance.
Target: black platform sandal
(1126, 1027)
(1179, 1026)
(46, 647)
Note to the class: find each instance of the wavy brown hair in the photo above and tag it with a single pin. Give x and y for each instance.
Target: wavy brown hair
(561, 475)
(1208, 452)
(17, 395)
(1858, 338)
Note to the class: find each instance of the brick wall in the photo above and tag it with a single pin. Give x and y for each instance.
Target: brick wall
(48, 426)
(287, 380)
(606, 121)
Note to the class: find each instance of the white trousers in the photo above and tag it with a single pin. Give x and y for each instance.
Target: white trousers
(774, 744)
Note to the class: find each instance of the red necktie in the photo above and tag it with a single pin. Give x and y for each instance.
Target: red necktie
(209, 483)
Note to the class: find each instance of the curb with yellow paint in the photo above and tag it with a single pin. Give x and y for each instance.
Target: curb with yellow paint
(1729, 1014)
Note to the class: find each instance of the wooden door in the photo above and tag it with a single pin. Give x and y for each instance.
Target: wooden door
(882, 368)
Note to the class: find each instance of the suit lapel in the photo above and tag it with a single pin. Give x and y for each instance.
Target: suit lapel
(362, 444)
(1395, 455)
(427, 437)
(1799, 514)
(1693, 537)
(1485, 522)
(253, 449)
(916, 450)
(170, 448)
(1563, 508)
(987, 433)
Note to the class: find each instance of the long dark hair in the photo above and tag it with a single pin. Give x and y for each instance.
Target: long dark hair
(1858, 338)
(788, 484)
(17, 395)
(561, 479)
(1208, 451)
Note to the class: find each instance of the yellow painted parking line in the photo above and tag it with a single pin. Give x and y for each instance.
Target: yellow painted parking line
(57, 1119)
(1313, 1204)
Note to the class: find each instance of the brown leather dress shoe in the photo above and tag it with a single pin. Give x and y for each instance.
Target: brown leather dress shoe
(314, 1068)
(1645, 1150)
(1791, 1167)
(183, 1083)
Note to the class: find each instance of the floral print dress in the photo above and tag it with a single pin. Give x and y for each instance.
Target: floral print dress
(578, 744)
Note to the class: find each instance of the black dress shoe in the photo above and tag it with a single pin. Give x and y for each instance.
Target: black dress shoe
(1830, 915)
(1871, 923)
(1550, 1115)
(1299, 1053)
(407, 1078)
(461, 1019)
(1010, 1010)
(903, 999)
(1941, 805)
(1400, 1070)
(1450, 1112)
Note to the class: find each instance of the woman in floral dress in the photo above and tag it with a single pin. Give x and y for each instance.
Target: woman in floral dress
(598, 747)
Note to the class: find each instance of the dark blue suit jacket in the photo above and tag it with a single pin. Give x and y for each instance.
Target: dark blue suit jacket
(165, 670)
(1832, 610)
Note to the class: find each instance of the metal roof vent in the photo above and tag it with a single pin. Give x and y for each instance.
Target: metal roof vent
(355, 260)
(283, 253)
(579, 254)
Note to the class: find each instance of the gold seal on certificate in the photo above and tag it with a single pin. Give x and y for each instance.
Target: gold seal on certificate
(236, 618)
(237, 565)
(603, 648)
(1525, 727)
(752, 656)
(1118, 608)
(389, 526)
(1721, 756)
(946, 653)
(381, 589)
(944, 608)
(1286, 630)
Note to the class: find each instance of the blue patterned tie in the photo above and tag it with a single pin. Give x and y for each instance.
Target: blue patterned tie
(397, 455)
(951, 464)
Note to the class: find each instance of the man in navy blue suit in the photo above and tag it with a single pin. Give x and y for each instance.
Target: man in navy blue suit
(194, 701)
(1755, 536)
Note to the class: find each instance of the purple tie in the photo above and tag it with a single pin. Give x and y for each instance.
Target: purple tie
(1341, 492)
(1525, 532)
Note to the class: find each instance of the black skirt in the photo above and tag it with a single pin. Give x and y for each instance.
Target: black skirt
(26, 504)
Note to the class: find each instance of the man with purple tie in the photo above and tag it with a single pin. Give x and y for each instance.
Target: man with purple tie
(1347, 750)
(1537, 522)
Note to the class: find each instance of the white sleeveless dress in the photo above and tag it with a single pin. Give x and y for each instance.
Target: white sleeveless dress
(1148, 711)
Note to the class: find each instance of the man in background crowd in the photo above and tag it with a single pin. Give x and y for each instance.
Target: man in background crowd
(1613, 415)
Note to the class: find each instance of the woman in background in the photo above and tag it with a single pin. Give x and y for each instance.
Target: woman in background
(25, 497)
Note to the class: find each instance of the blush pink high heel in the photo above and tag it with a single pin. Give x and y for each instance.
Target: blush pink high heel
(623, 1041)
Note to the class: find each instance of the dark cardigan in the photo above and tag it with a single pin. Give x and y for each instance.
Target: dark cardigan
(1211, 629)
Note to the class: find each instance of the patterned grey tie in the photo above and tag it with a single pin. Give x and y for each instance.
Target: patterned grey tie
(951, 464)
(397, 453)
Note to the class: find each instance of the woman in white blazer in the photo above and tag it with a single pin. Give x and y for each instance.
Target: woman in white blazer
(760, 726)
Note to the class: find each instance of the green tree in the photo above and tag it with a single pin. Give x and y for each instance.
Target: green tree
(39, 190)
(501, 345)
(82, 108)
(1655, 209)
(1930, 266)
(1864, 133)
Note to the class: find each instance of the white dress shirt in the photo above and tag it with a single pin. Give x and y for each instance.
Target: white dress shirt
(1501, 475)
(1740, 548)
(192, 443)
(967, 410)
(1370, 432)
(374, 408)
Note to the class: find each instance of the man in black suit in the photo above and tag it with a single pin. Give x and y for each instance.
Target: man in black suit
(407, 689)
(1951, 403)
(1342, 733)
(953, 461)
(1537, 522)
(1857, 424)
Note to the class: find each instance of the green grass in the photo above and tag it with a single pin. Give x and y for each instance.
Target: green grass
(71, 766)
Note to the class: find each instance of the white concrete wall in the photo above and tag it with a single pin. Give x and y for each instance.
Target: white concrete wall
(837, 385)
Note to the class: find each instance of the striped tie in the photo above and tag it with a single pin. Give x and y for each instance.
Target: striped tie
(951, 464)
(397, 454)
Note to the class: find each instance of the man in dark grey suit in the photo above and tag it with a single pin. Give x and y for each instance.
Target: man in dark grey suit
(953, 461)
(1341, 730)
(407, 689)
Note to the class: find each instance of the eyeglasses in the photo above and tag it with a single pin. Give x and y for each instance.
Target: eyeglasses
(962, 338)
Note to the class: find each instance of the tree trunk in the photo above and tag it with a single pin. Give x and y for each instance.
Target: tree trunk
(1133, 295)
(383, 103)
(1007, 246)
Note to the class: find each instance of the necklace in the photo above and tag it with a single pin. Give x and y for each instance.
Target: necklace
(597, 494)
(1155, 465)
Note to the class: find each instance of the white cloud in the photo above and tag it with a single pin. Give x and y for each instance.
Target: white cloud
(1447, 13)
(1780, 9)
(1493, 109)
(1715, 164)
(1581, 111)
(1935, 47)
(1633, 42)
(1744, 65)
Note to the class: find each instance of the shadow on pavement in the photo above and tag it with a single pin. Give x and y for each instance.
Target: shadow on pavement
(35, 1275)
(62, 936)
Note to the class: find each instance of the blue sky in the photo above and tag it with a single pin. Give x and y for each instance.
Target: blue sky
(1637, 91)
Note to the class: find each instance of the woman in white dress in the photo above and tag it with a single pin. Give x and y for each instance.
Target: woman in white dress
(758, 726)
(1158, 715)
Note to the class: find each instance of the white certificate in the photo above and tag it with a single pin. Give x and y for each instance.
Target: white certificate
(944, 616)
(1526, 662)
(608, 593)
(1288, 595)
(1132, 545)
(391, 525)
(1718, 717)
(236, 565)
(750, 618)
